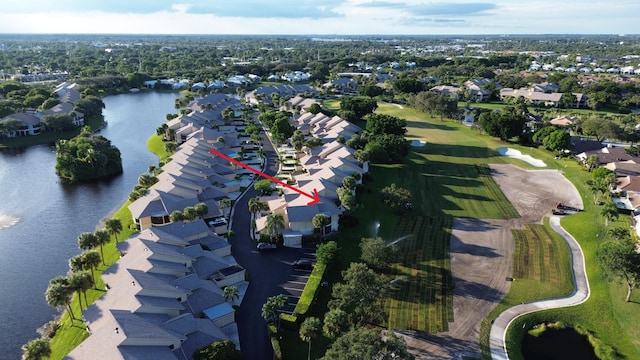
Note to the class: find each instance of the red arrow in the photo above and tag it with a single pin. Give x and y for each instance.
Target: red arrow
(315, 198)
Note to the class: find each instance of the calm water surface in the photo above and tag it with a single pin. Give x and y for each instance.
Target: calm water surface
(40, 218)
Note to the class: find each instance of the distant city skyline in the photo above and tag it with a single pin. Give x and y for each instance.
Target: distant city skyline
(327, 17)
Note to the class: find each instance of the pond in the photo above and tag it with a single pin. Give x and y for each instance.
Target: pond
(557, 344)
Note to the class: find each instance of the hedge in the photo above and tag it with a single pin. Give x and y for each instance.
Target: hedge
(290, 321)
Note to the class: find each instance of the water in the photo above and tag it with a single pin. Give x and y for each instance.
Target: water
(40, 218)
(399, 239)
(557, 344)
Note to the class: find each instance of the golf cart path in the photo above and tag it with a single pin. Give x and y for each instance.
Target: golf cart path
(580, 294)
(481, 253)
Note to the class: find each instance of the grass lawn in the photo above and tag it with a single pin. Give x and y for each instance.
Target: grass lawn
(95, 122)
(71, 335)
(541, 270)
(331, 104)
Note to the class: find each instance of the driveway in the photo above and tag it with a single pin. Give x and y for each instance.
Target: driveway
(269, 273)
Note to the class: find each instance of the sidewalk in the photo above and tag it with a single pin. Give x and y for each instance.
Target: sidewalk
(580, 295)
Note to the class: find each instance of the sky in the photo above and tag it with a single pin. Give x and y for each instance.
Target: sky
(323, 17)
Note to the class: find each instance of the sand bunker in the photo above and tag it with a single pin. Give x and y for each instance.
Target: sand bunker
(418, 143)
(513, 153)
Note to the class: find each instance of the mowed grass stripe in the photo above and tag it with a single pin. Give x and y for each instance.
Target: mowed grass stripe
(427, 296)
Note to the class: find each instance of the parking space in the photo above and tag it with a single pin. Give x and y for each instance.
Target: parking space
(298, 280)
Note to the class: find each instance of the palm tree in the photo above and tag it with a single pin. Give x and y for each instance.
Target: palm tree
(201, 209)
(275, 223)
(320, 221)
(80, 282)
(272, 306)
(77, 263)
(176, 216)
(36, 349)
(102, 238)
(223, 204)
(91, 260)
(114, 227)
(231, 293)
(189, 213)
(254, 207)
(309, 329)
(87, 241)
(609, 211)
(336, 321)
(58, 294)
(619, 233)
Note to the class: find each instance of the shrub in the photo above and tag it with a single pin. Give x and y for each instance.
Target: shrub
(275, 341)
(309, 292)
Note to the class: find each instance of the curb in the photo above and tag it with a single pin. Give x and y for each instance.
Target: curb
(581, 293)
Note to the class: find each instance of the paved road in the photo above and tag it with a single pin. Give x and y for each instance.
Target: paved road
(580, 295)
(268, 272)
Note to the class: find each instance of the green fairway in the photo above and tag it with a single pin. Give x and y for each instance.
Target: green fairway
(421, 297)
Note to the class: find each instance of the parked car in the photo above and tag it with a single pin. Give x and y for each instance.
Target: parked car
(302, 264)
(263, 246)
(218, 222)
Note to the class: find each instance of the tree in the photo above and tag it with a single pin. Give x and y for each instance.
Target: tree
(297, 140)
(359, 293)
(395, 196)
(349, 182)
(308, 330)
(264, 186)
(271, 307)
(114, 227)
(58, 294)
(358, 105)
(557, 141)
(87, 241)
(275, 223)
(364, 344)
(219, 350)
(609, 211)
(314, 108)
(255, 206)
(336, 322)
(327, 252)
(224, 204)
(281, 130)
(376, 252)
(80, 282)
(176, 215)
(601, 128)
(201, 209)
(231, 293)
(347, 200)
(36, 349)
(91, 261)
(591, 162)
(189, 213)
(619, 233)
(504, 124)
(387, 148)
(619, 260)
(320, 221)
(378, 124)
(102, 238)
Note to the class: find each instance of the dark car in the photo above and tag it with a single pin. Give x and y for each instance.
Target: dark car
(302, 264)
(266, 246)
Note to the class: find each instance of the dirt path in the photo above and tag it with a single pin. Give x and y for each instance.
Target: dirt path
(481, 258)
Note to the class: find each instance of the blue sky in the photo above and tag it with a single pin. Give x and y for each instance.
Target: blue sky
(320, 17)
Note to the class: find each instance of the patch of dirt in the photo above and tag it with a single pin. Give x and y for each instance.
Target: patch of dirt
(481, 258)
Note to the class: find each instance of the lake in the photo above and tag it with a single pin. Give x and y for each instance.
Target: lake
(41, 218)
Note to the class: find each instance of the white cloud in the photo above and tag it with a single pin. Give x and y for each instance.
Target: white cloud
(327, 17)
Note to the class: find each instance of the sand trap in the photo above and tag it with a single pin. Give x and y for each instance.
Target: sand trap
(418, 143)
(513, 153)
(7, 221)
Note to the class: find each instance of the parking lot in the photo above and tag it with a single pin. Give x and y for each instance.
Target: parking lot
(297, 280)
